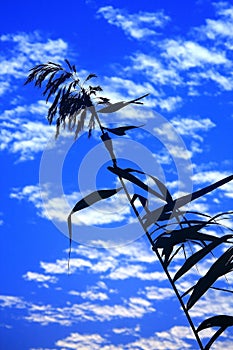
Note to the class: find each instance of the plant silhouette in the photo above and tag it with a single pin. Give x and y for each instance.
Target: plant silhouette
(171, 230)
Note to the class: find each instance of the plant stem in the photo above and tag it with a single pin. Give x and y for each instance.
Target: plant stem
(164, 267)
(155, 249)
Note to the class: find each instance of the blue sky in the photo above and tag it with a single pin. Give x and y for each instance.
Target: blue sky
(116, 295)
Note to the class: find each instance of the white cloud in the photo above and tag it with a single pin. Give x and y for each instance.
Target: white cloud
(57, 208)
(222, 26)
(29, 49)
(24, 137)
(192, 127)
(189, 54)
(138, 25)
(91, 294)
(135, 271)
(38, 277)
(224, 81)
(169, 103)
(127, 331)
(155, 70)
(206, 308)
(4, 86)
(12, 301)
(81, 341)
(212, 176)
(131, 308)
(172, 339)
(130, 261)
(158, 293)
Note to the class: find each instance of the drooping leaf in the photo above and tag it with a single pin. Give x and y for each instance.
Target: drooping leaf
(86, 202)
(163, 189)
(221, 267)
(165, 212)
(222, 321)
(123, 173)
(199, 255)
(114, 107)
(90, 76)
(120, 131)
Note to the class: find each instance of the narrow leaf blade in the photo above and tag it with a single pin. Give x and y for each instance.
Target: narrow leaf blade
(86, 202)
(120, 131)
(196, 257)
(218, 269)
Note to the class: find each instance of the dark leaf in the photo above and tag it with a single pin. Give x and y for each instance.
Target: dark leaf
(86, 202)
(114, 107)
(68, 63)
(222, 321)
(103, 100)
(165, 212)
(120, 131)
(90, 76)
(169, 240)
(216, 321)
(221, 267)
(123, 173)
(163, 189)
(199, 255)
(80, 124)
(142, 200)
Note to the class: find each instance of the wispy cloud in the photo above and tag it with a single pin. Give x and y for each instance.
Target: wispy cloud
(25, 138)
(134, 307)
(82, 342)
(39, 278)
(222, 26)
(188, 54)
(57, 208)
(138, 25)
(29, 49)
(155, 69)
(192, 126)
